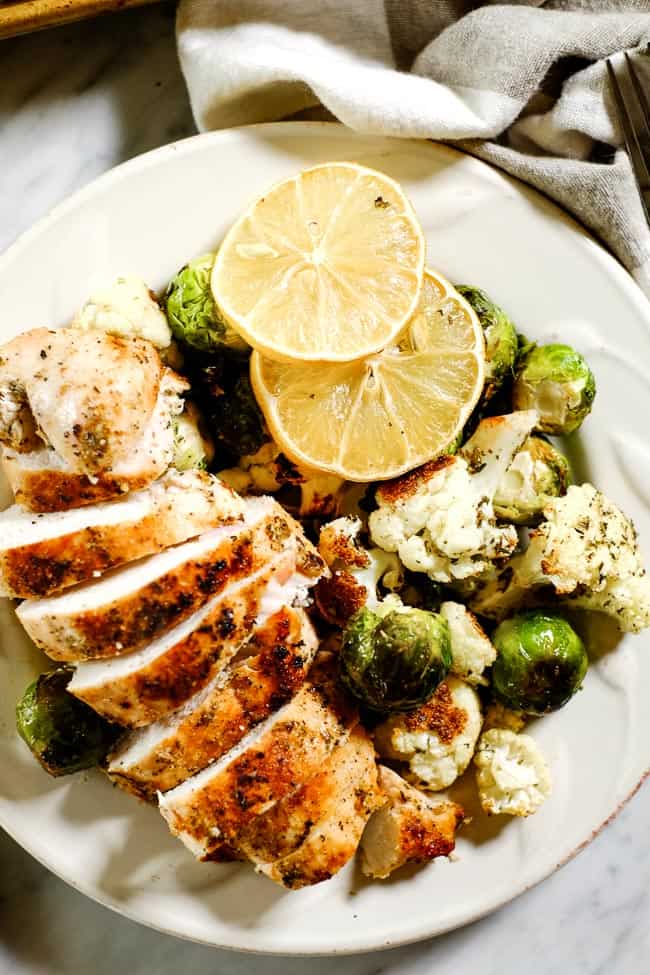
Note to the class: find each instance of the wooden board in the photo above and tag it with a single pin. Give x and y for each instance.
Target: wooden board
(21, 16)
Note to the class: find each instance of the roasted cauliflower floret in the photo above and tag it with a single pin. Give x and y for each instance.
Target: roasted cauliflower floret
(511, 773)
(584, 552)
(438, 740)
(126, 307)
(471, 650)
(341, 548)
(358, 574)
(268, 471)
(340, 542)
(256, 473)
(498, 715)
(320, 494)
(440, 518)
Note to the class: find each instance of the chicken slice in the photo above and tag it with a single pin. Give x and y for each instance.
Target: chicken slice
(158, 758)
(132, 605)
(409, 827)
(90, 394)
(217, 804)
(309, 836)
(43, 553)
(138, 688)
(42, 480)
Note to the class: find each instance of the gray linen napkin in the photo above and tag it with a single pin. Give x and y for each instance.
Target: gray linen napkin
(522, 85)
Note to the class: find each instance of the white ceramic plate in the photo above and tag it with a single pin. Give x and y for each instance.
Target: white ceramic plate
(148, 217)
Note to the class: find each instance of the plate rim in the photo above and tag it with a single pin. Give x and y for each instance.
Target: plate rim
(616, 273)
(366, 948)
(620, 274)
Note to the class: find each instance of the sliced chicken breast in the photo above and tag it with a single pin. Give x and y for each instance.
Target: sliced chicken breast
(309, 836)
(90, 394)
(409, 827)
(44, 553)
(130, 606)
(138, 688)
(42, 480)
(158, 758)
(218, 804)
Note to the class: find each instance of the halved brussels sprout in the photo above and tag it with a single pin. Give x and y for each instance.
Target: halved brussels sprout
(538, 473)
(556, 381)
(541, 662)
(396, 662)
(501, 341)
(192, 313)
(63, 733)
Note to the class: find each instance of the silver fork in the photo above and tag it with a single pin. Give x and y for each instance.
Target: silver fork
(633, 109)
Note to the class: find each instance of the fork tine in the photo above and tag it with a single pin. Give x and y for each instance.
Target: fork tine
(642, 131)
(629, 124)
(638, 90)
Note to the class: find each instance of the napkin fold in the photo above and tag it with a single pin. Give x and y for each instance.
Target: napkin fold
(522, 85)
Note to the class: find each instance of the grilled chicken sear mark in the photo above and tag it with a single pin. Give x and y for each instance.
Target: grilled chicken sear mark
(279, 654)
(43, 554)
(218, 803)
(131, 606)
(139, 688)
(311, 834)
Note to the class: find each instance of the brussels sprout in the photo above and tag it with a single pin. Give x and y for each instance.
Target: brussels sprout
(541, 662)
(222, 388)
(538, 473)
(556, 381)
(192, 448)
(191, 310)
(64, 734)
(421, 591)
(237, 421)
(396, 662)
(524, 347)
(501, 340)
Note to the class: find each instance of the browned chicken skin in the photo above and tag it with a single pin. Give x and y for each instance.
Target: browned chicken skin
(128, 608)
(309, 836)
(139, 688)
(41, 554)
(220, 802)
(165, 754)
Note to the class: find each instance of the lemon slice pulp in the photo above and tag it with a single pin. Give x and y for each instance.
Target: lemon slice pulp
(378, 417)
(327, 266)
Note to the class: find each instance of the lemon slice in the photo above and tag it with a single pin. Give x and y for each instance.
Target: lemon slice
(381, 416)
(325, 266)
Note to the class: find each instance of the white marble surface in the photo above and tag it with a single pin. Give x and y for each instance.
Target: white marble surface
(74, 102)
